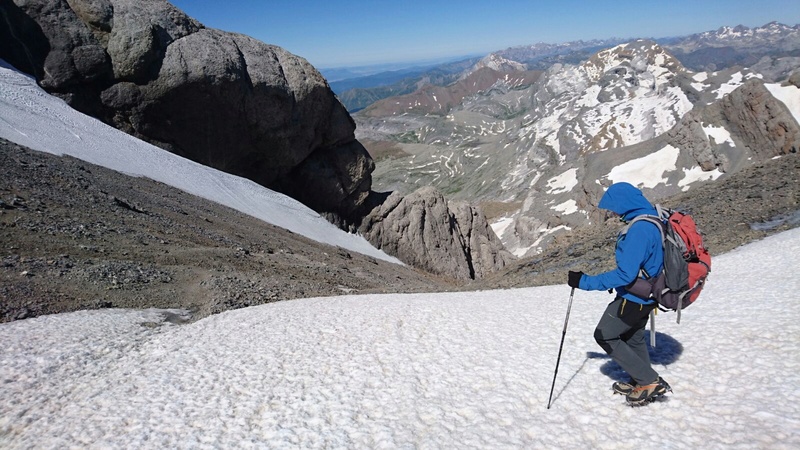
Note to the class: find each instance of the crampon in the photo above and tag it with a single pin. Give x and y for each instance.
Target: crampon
(642, 395)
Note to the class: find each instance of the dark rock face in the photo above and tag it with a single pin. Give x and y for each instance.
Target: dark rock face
(760, 124)
(764, 123)
(221, 99)
(236, 104)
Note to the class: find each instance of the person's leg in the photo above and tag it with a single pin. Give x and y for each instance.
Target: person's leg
(636, 336)
(626, 319)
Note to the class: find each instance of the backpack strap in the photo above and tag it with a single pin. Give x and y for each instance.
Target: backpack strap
(658, 221)
(655, 220)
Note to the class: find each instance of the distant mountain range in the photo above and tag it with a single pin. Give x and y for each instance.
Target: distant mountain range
(731, 46)
(711, 50)
(535, 147)
(358, 93)
(333, 74)
(357, 90)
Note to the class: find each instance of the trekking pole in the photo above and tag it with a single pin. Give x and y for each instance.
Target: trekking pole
(560, 347)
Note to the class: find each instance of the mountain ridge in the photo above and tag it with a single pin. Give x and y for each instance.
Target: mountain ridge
(511, 143)
(696, 51)
(147, 84)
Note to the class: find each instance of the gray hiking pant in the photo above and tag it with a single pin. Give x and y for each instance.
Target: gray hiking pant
(621, 333)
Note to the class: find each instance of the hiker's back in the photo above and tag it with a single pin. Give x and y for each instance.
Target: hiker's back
(686, 262)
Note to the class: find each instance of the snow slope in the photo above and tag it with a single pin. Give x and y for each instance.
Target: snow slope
(452, 370)
(31, 117)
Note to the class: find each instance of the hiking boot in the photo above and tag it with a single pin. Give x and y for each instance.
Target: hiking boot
(640, 395)
(622, 388)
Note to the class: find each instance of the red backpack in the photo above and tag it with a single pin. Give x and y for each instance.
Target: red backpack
(686, 262)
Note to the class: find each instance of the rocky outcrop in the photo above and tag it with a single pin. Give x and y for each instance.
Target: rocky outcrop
(482, 247)
(221, 99)
(764, 123)
(760, 127)
(423, 230)
(689, 135)
(794, 78)
(237, 104)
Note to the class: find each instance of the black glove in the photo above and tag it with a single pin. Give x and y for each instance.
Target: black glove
(574, 279)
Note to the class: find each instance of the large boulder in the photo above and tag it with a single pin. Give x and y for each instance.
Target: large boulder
(237, 104)
(424, 230)
(221, 99)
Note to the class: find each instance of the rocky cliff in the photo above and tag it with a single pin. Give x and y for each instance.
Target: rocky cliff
(234, 103)
(541, 151)
(221, 99)
(427, 231)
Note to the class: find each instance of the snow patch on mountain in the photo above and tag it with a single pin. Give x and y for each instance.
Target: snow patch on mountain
(499, 226)
(736, 80)
(648, 171)
(789, 95)
(636, 115)
(568, 207)
(563, 183)
(696, 174)
(543, 232)
(719, 134)
(699, 78)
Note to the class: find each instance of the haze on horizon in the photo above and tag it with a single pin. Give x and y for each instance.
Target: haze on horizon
(350, 33)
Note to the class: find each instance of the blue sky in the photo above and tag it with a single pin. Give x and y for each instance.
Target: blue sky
(339, 33)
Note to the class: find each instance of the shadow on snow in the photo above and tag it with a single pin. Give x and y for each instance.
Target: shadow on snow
(666, 351)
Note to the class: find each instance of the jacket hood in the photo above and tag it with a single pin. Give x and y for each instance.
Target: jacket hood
(626, 200)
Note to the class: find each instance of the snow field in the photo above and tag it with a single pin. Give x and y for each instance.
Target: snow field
(789, 95)
(451, 370)
(647, 171)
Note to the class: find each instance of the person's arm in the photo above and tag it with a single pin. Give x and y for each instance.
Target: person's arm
(630, 253)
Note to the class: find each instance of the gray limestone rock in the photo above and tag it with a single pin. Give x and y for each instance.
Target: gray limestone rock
(483, 247)
(221, 99)
(425, 231)
(689, 135)
(764, 123)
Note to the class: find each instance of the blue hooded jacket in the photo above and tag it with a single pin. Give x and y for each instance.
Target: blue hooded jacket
(639, 248)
